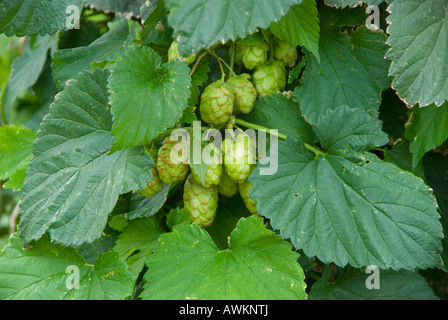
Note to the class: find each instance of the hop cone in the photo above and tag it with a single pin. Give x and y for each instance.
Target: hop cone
(244, 93)
(251, 204)
(214, 170)
(155, 185)
(216, 103)
(286, 53)
(239, 158)
(254, 56)
(172, 161)
(227, 187)
(173, 54)
(200, 202)
(270, 78)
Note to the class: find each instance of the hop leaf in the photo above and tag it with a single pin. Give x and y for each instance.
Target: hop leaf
(285, 53)
(172, 161)
(216, 103)
(254, 56)
(200, 202)
(173, 54)
(270, 78)
(244, 93)
(227, 186)
(239, 157)
(251, 204)
(214, 170)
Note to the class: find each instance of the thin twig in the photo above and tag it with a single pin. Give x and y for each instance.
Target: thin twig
(198, 60)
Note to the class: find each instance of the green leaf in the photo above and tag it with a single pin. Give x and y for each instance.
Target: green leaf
(16, 150)
(350, 208)
(300, 26)
(31, 17)
(177, 216)
(142, 207)
(354, 3)
(343, 130)
(67, 63)
(427, 129)
(400, 156)
(126, 8)
(73, 182)
(419, 41)
(42, 273)
(277, 111)
(199, 24)
(352, 71)
(186, 264)
(230, 211)
(350, 284)
(136, 242)
(25, 70)
(147, 96)
(199, 77)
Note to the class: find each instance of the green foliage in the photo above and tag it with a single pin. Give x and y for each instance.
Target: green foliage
(353, 172)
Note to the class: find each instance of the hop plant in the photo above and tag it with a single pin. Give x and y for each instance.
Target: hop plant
(214, 169)
(200, 202)
(250, 203)
(239, 156)
(244, 93)
(270, 78)
(216, 103)
(286, 53)
(155, 185)
(172, 161)
(227, 186)
(173, 54)
(255, 55)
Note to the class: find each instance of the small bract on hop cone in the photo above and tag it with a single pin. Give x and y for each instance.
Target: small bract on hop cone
(239, 156)
(244, 93)
(200, 202)
(286, 53)
(251, 204)
(214, 169)
(270, 78)
(173, 54)
(216, 103)
(172, 161)
(227, 186)
(155, 185)
(254, 56)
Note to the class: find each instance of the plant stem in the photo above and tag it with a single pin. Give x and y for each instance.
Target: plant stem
(228, 67)
(220, 65)
(282, 136)
(232, 56)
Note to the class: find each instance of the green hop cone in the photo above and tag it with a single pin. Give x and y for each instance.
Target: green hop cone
(216, 103)
(286, 53)
(251, 204)
(227, 186)
(155, 185)
(254, 56)
(173, 54)
(239, 157)
(270, 78)
(214, 169)
(172, 161)
(200, 202)
(244, 93)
